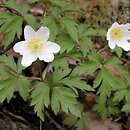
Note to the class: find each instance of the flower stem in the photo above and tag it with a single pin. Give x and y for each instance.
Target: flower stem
(45, 71)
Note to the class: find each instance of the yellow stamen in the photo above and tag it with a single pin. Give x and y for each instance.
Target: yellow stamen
(117, 33)
(35, 45)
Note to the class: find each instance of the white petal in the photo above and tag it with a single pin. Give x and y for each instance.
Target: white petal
(27, 59)
(52, 47)
(43, 34)
(125, 26)
(46, 56)
(115, 24)
(21, 47)
(112, 44)
(124, 44)
(28, 32)
(109, 34)
(126, 35)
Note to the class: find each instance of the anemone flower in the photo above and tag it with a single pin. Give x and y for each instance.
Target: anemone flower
(119, 35)
(36, 45)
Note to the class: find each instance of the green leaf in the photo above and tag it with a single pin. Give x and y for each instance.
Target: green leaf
(58, 63)
(126, 107)
(88, 66)
(30, 19)
(113, 61)
(21, 8)
(102, 32)
(65, 8)
(23, 85)
(66, 43)
(7, 86)
(50, 22)
(95, 57)
(118, 51)
(32, 1)
(3, 72)
(108, 109)
(98, 80)
(66, 98)
(89, 32)
(59, 74)
(20, 67)
(9, 61)
(70, 26)
(85, 44)
(11, 26)
(81, 29)
(77, 83)
(70, 120)
(40, 98)
(78, 123)
(57, 2)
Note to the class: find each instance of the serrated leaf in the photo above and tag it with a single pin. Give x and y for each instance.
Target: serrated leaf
(21, 8)
(98, 80)
(112, 61)
(50, 22)
(60, 74)
(95, 57)
(40, 98)
(119, 95)
(30, 19)
(70, 26)
(70, 120)
(3, 72)
(11, 27)
(66, 43)
(81, 29)
(65, 8)
(23, 85)
(85, 44)
(88, 66)
(8, 61)
(126, 107)
(7, 86)
(118, 51)
(58, 63)
(78, 123)
(77, 83)
(65, 98)
(20, 67)
(89, 32)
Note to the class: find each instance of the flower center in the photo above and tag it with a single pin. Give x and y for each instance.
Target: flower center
(35, 45)
(117, 34)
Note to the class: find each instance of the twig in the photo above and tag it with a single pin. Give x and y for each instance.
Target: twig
(103, 49)
(40, 125)
(19, 118)
(45, 71)
(58, 126)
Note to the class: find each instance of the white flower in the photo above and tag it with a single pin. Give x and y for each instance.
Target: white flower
(119, 35)
(36, 46)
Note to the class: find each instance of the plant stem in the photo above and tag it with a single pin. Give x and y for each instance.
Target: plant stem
(58, 126)
(45, 71)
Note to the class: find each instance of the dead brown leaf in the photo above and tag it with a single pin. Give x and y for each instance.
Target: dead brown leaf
(2, 38)
(128, 65)
(21, 1)
(104, 125)
(90, 99)
(112, 70)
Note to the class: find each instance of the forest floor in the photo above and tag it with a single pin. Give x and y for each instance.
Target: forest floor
(18, 115)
